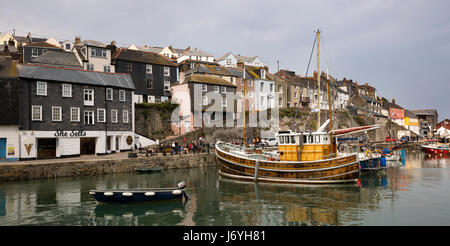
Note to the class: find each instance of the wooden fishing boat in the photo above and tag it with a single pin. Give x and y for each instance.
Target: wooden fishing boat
(301, 158)
(140, 195)
(255, 165)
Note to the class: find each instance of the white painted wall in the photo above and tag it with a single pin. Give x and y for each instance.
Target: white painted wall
(11, 133)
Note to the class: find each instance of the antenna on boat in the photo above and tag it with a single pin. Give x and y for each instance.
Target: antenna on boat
(318, 79)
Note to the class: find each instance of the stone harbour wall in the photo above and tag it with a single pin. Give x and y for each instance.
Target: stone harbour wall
(60, 168)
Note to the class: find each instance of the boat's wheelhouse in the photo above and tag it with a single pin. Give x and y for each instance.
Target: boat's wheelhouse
(303, 146)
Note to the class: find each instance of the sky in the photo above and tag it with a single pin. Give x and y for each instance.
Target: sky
(402, 48)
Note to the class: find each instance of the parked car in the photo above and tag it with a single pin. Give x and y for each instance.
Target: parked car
(270, 142)
(391, 139)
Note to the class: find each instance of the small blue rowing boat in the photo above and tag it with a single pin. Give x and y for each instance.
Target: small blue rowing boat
(140, 195)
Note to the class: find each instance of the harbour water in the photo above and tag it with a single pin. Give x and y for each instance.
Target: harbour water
(413, 192)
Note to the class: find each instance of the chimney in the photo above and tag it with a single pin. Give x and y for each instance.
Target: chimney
(393, 101)
(367, 84)
(29, 38)
(77, 40)
(357, 87)
(188, 48)
(266, 68)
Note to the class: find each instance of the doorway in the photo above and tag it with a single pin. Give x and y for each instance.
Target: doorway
(46, 148)
(87, 146)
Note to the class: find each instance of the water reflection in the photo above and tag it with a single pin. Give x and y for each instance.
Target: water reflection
(219, 201)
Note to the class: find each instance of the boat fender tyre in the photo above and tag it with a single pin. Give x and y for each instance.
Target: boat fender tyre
(176, 192)
(127, 194)
(108, 194)
(151, 193)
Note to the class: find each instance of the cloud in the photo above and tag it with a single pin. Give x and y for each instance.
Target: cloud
(402, 48)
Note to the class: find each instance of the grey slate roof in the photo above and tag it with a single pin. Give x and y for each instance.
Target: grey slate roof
(54, 57)
(48, 73)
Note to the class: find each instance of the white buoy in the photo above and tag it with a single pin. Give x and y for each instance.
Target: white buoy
(91, 193)
(176, 192)
(127, 194)
(150, 193)
(108, 193)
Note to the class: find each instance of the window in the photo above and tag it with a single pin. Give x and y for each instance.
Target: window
(149, 69)
(130, 67)
(150, 84)
(93, 52)
(90, 67)
(286, 139)
(34, 53)
(125, 116)
(104, 53)
(88, 97)
(263, 73)
(167, 85)
(114, 115)
(216, 88)
(281, 140)
(67, 46)
(109, 94)
(36, 113)
(317, 139)
(228, 61)
(75, 114)
(122, 95)
(166, 71)
(205, 100)
(88, 117)
(204, 87)
(107, 69)
(101, 117)
(293, 139)
(310, 139)
(262, 86)
(231, 80)
(41, 88)
(56, 114)
(271, 87)
(224, 102)
(66, 90)
(224, 89)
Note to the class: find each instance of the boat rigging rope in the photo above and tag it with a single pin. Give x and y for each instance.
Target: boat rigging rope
(306, 75)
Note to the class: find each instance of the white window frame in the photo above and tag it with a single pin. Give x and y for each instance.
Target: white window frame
(114, 116)
(205, 100)
(69, 91)
(204, 87)
(125, 116)
(224, 102)
(216, 88)
(104, 53)
(103, 119)
(93, 117)
(149, 69)
(166, 85)
(167, 71)
(122, 95)
(107, 69)
(77, 114)
(44, 89)
(263, 74)
(90, 67)
(33, 112)
(88, 102)
(223, 89)
(109, 96)
(59, 117)
(33, 52)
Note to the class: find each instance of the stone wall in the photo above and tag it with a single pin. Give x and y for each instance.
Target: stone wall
(60, 168)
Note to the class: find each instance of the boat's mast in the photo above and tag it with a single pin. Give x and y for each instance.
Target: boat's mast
(331, 117)
(318, 79)
(244, 113)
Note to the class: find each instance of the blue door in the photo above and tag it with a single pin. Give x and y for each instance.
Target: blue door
(2, 148)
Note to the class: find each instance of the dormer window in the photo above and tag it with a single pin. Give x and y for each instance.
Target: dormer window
(263, 73)
(34, 52)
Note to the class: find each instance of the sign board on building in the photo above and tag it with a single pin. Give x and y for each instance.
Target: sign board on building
(396, 113)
